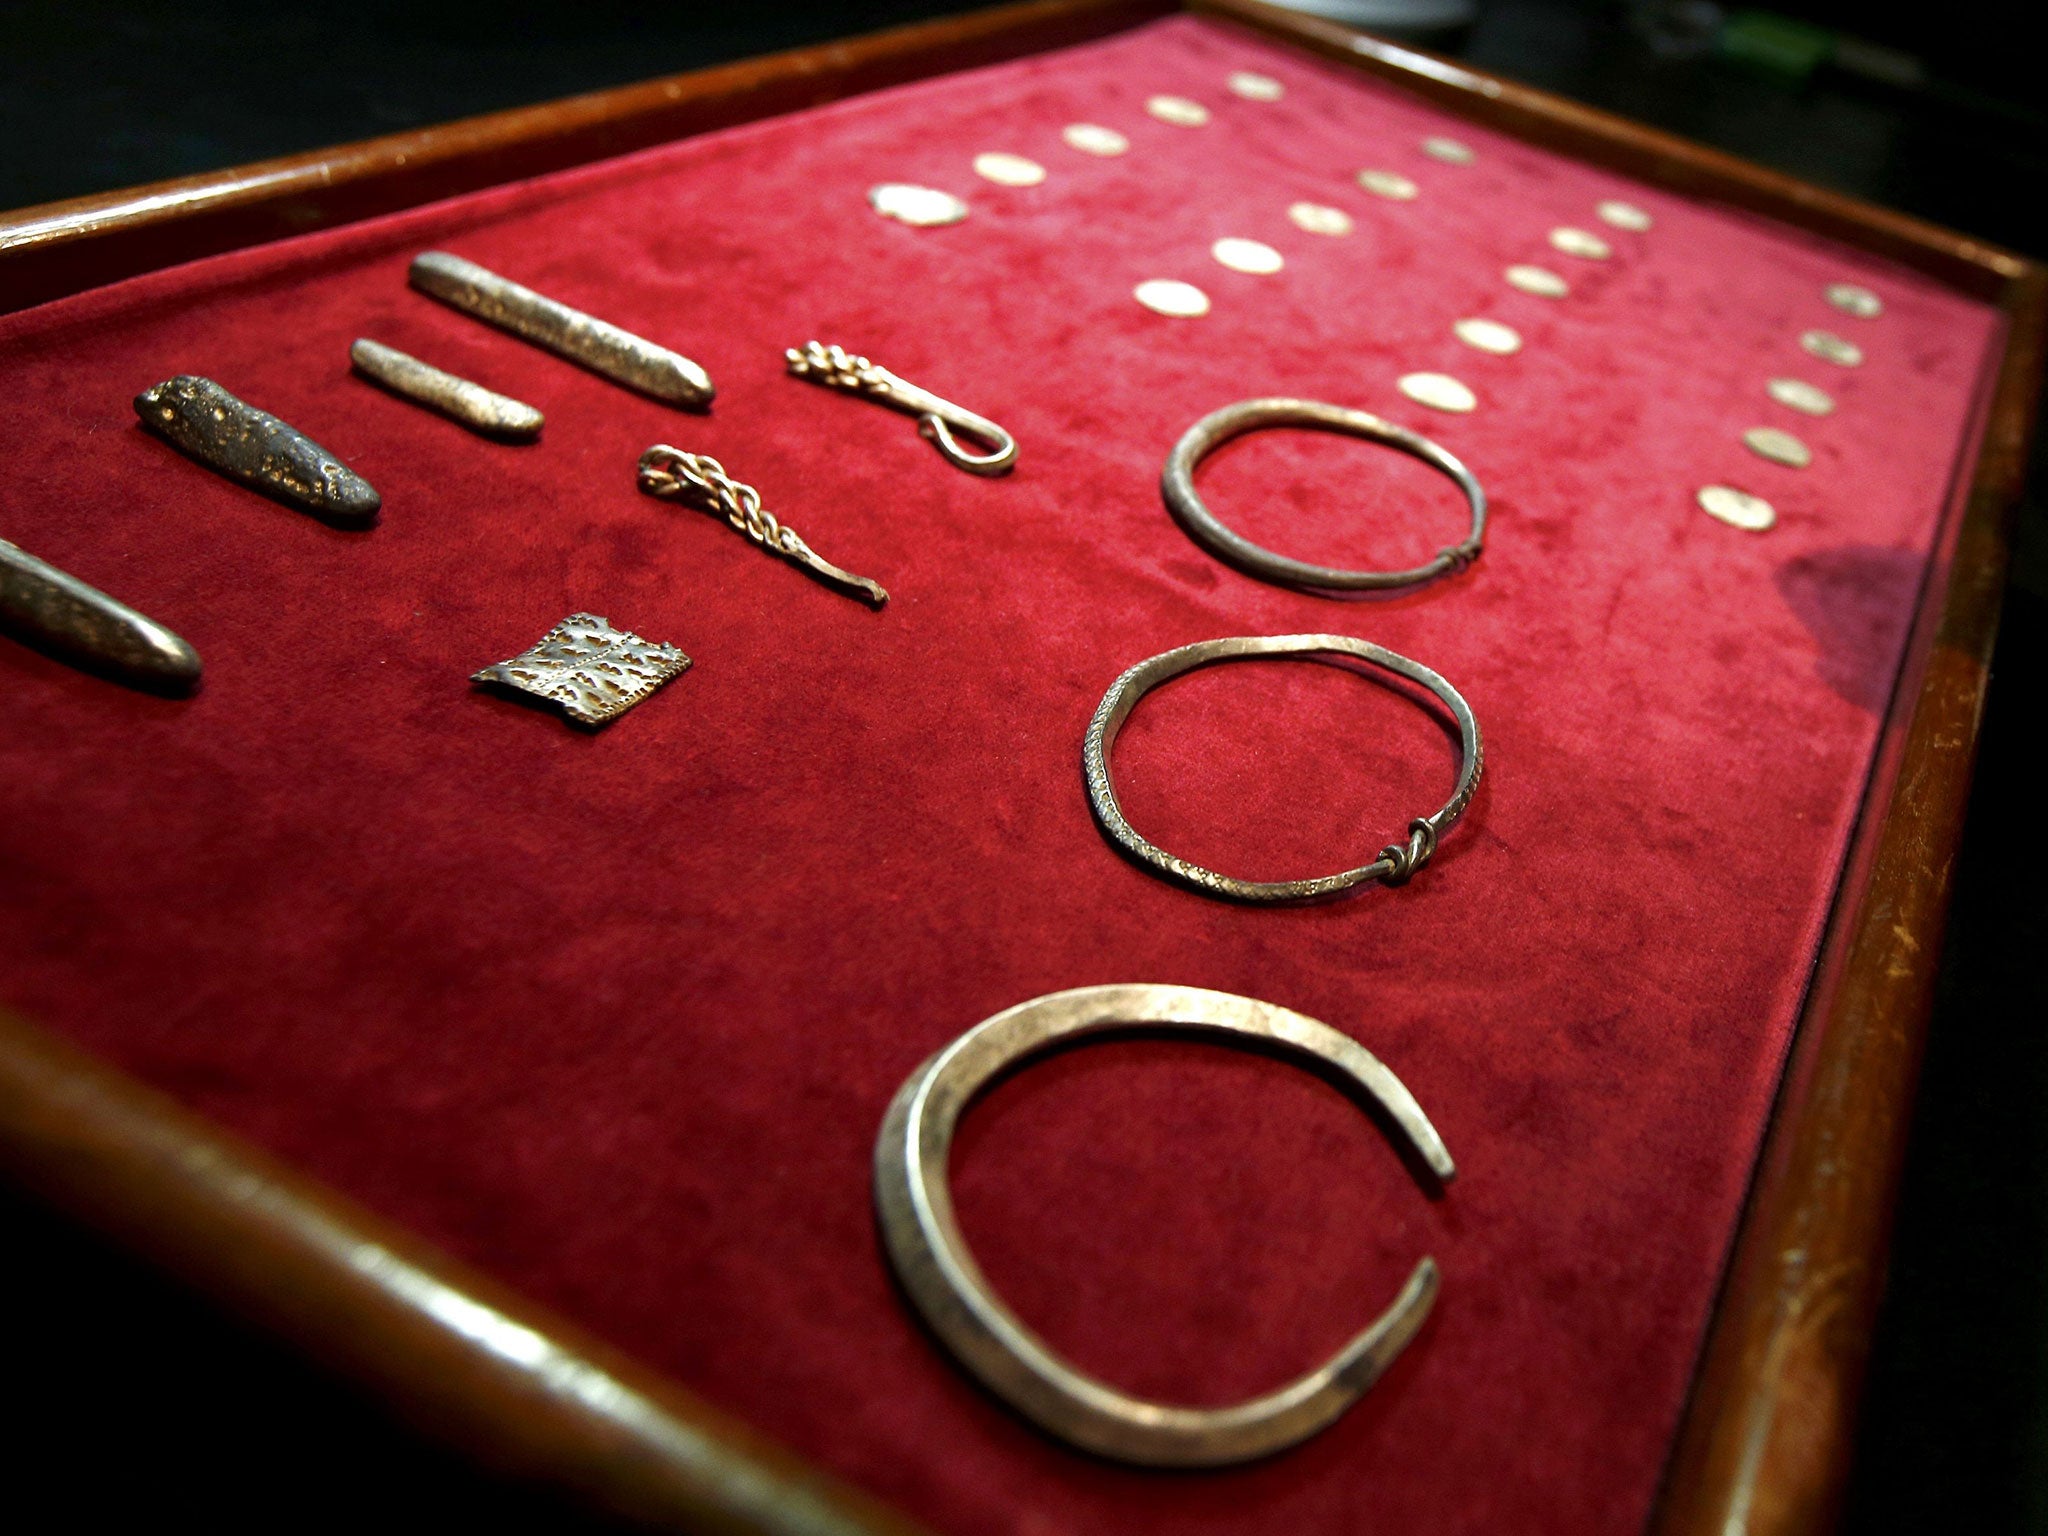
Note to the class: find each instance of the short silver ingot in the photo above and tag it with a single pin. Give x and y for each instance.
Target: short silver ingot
(1241, 255)
(1178, 110)
(1007, 170)
(1488, 336)
(1541, 281)
(1855, 299)
(1094, 139)
(1779, 446)
(921, 207)
(1450, 151)
(1253, 86)
(57, 613)
(1809, 399)
(1830, 348)
(605, 349)
(1624, 216)
(1736, 508)
(1170, 296)
(1582, 243)
(204, 422)
(1389, 184)
(1439, 391)
(594, 672)
(1319, 218)
(473, 406)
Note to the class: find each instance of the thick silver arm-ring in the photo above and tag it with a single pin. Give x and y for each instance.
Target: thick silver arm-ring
(1397, 861)
(915, 1205)
(1219, 427)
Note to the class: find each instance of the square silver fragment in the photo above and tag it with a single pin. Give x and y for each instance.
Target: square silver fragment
(596, 673)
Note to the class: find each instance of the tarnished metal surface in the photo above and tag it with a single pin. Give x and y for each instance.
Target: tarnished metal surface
(200, 419)
(596, 673)
(583, 339)
(479, 409)
(57, 612)
(937, 418)
(922, 1236)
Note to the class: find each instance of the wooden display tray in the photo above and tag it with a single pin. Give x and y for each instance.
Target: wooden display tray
(1766, 1437)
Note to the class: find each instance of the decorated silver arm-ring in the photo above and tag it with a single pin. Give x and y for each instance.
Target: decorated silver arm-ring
(1396, 862)
(914, 1202)
(1219, 427)
(937, 419)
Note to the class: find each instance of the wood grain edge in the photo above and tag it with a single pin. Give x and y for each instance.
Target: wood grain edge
(463, 1357)
(67, 247)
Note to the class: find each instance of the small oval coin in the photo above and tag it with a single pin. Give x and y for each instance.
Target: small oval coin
(1388, 184)
(1624, 215)
(1438, 391)
(1801, 396)
(1094, 139)
(1830, 348)
(1169, 296)
(1541, 281)
(922, 206)
(1580, 242)
(1779, 446)
(1320, 219)
(1178, 110)
(1856, 300)
(1738, 509)
(1253, 86)
(1488, 336)
(1007, 170)
(1450, 151)
(1241, 255)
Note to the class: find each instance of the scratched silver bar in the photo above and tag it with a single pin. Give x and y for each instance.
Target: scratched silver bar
(481, 410)
(56, 611)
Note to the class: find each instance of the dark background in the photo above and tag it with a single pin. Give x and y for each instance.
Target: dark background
(139, 1401)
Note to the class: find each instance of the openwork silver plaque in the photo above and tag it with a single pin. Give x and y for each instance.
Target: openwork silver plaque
(596, 673)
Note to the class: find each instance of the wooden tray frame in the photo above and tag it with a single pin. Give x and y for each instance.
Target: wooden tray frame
(1765, 1443)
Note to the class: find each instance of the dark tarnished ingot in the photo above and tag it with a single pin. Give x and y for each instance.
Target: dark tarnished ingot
(56, 612)
(583, 339)
(481, 410)
(202, 420)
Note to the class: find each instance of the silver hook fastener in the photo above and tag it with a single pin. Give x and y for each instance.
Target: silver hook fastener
(937, 419)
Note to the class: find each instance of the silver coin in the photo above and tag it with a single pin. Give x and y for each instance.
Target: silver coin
(1830, 348)
(1856, 300)
(1169, 296)
(1178, 110)
(1624, 215)
(1255, 87)
(1450, 151)
(1241, 255)
(1739, 509)
(1541, 281)
(1801, 396)
(1007, 170)
(1580, 242)
(1779, 446)
(1488, 336)
(1320, 219)
(1438, 391)
(922, 206)
(1388, 184)
(1094, 139)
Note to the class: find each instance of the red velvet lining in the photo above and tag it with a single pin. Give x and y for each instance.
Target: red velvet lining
(616, 1016)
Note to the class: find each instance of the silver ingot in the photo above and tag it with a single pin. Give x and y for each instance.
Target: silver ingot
(56, 612)
(937, 418)
(594, 672)
(477, 408)
(922, 1237)
(583, 339)
(204, 422)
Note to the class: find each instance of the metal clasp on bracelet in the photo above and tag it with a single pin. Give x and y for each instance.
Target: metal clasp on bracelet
(937, 419)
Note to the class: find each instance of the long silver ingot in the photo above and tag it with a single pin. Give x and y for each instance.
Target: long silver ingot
(479, 409)
(55, 611)
(202, 420)
(836, 368)
(930, 1256)
(583, 339)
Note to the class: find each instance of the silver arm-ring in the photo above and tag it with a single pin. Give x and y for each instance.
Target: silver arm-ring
(914, 1202)
(1397, 861)
(1219, 427)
